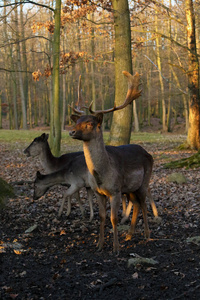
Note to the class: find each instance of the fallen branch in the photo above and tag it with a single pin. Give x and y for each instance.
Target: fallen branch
(107, 284)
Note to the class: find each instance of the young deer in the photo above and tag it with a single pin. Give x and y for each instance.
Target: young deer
(40, 148)
(75, 177)
(115, 170)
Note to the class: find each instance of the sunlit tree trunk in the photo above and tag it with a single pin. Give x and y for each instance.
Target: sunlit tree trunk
(121, 123)
(158, 44)
(136, 121)
(170, 75)
(193, 137)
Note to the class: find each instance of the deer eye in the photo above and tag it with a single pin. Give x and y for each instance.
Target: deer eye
(88, 125)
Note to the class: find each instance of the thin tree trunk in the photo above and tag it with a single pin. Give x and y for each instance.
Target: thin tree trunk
(24, 55)
(160, 77)
(30, 107)
(64, 102)
(19, 66)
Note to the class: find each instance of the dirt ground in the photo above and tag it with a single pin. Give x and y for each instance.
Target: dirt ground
(43, 257)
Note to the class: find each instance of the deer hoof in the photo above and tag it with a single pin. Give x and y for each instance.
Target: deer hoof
(116, 250)
(100, 246)
(128, 236)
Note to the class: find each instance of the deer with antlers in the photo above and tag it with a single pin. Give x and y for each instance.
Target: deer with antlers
(114, 171)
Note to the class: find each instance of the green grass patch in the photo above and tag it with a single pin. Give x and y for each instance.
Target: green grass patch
(26, 136)
(13, 136)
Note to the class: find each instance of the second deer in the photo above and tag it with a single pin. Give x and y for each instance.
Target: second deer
(40, 148)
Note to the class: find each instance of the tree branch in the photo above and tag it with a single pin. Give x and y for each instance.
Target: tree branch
(14, 71)
(28, 38)
(28, 2)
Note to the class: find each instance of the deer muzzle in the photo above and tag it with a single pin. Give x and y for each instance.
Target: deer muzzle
(26, 151)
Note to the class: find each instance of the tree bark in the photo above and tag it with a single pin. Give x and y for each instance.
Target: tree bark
(55, 129)
(193, 137)
(160, 77)
(121, 123)
(19, 65)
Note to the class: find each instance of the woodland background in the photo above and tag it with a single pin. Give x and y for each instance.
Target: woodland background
(43, 257)
(159, 54)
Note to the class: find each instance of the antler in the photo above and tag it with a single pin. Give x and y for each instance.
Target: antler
(132, 94)
(80, 102)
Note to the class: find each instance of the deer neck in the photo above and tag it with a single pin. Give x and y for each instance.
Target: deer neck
(47, 160)
(96, 156)
(52, 179)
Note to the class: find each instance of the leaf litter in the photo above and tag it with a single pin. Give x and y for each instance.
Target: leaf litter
(43, 257)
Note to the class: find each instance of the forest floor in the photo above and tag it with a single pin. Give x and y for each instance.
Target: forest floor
(43, 257)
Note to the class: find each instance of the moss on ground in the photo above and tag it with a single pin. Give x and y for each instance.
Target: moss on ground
(6, 191)
(189, 162)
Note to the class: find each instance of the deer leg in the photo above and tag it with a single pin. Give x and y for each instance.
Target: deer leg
(132, 199)
(131, 231)
(153, 205)
(90, 197)
(77, 196)
(115, 204)
(127, 212)
(62, 206)
(146, 226)
(69, 206)
(67, 194)
(102, 214)
(123, 205)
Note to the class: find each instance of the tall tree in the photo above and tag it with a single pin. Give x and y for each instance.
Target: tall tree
(193, 137)
(19, 65)
(55, 126)
(121, 123)
(158, 46)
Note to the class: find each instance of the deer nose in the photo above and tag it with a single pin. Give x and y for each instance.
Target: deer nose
(71, 133)
(26, 152)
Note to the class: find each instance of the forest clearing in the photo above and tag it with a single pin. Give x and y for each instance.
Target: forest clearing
(126, 73)
(46, 257)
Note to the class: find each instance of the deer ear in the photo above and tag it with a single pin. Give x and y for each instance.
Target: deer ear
(43, 136)
(99, 117)
(74, 118)
(38, 175)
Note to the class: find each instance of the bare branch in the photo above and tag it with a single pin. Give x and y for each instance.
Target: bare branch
(28, 2)
(28, 38)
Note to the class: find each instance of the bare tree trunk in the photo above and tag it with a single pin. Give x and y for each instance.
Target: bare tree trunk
(193, 137)
(24, 56)
(135, 117)
(170, 75)
(64, 101)
(55, 130)
(122, 120)
(19, 65)
(160, 77)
